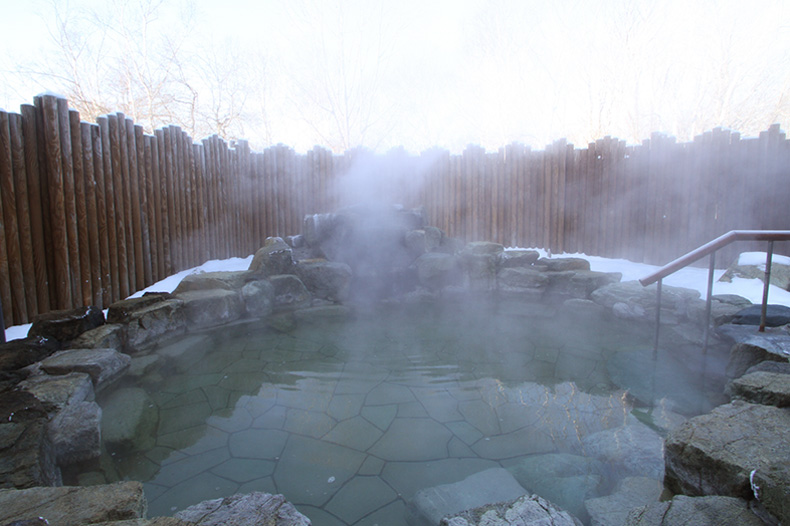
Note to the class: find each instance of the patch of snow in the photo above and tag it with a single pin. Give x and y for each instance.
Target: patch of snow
(757, 259)
(170, 283)
(49, 93)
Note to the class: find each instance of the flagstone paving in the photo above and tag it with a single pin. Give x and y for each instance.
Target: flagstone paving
(350, 420)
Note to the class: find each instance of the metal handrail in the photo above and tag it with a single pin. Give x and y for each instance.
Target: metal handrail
(711, 248)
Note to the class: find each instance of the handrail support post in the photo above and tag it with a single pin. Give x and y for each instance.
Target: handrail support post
(708, 302)
(658, 315)
(764, 309)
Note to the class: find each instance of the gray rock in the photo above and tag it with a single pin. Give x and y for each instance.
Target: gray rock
(20, 353)
(775, 315)
(60, 390)
(253, 509)
(27, 456)
(564, 479)
(329, 280)
(519, 258)
(528, 510)
(634, 450)
(156, 521)
(674, 300)
(423, 240)
(207, 308)
(480, 262)
(522, 281)
(780, 274)
(756, 349)
(723, 309)
(76, 433)
(771, 487)
(130, 419)
(148, 324)
(65, 325)
(436, 270)
(613, 509)
(122, 311)
(322, 312)
(714, 453)
(143, 365)
(273, 258)
(563, 264)
(582, 283)
(108, 336)
(770, 366)
(289, 292)
(103, 365)
(762, 387)
(212, 281)
(258, 298)
(694, 511)
(429, 505)
(74, 506)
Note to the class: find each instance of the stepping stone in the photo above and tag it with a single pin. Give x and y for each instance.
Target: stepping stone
(762, 387)
(613, 509)
(486, 487)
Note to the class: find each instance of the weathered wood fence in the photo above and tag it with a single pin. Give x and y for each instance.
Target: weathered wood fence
(90, 213)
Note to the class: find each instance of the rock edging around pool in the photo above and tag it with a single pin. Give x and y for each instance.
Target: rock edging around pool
(53, 420)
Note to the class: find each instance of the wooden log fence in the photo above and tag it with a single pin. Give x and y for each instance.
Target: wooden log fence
(90, 213)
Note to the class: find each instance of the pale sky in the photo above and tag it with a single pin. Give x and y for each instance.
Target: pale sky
(450, 73)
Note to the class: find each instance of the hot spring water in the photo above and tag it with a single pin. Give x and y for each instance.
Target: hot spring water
(349, 419)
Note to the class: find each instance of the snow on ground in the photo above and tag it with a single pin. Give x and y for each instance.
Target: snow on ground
(688, 277)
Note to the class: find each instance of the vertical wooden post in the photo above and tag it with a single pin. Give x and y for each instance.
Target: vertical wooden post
(81, 210)
(91, 217)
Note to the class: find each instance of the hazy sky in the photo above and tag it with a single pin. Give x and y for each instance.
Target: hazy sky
(449, 73)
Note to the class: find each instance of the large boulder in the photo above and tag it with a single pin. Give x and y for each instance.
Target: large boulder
(60, 390)
(148, 317)
(328, 280)
(210, 307)
(771, 487)
(258, 296)
(520, 281)
(108, 336)
(244, 510)
(104, 366)
(480, 262)
(632, 492)
(751, 265)
(27, 456)
(762, 387)
(641, 300)
(289, 292)
(756, 349)
(694, 511)
(65, 325)
(563, 479)
(519, 258)
(23, 352)
(423, 240)
(723, 308)
(715, 453)
(130, 419)
(429, 505)
(74, 506)
(273, 258)
(76, 433)
(634, 449)
(562, 264)
(436, 270)
(528, 510)
(148, 324)
(775, 315)
(212, 281)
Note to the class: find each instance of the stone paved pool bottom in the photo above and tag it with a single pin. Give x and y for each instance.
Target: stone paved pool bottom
(349, 419)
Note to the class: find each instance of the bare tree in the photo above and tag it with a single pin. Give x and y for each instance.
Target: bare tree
(138, 57)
